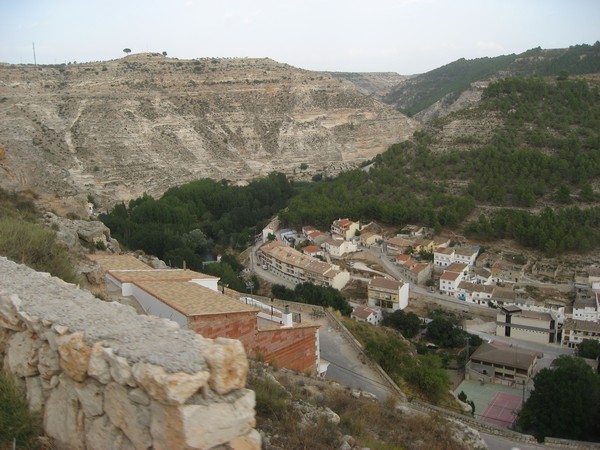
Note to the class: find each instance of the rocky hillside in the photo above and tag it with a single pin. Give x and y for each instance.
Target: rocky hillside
(459, 84)
(144, 123)
(377, 84)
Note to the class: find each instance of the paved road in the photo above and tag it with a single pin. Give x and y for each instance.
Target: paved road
(346, 364)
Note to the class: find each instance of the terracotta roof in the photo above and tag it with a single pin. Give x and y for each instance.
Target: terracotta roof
(192, 299)
(312, 249)
(403, 257)
(450, 276)
(385, 283)
(419, 267)
(118, 262)
(506, 356)
(342, 222)
(129, 276)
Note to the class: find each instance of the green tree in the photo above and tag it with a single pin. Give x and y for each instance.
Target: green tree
(565, 402)
(588, 348)
(408, 324)
(127, 51)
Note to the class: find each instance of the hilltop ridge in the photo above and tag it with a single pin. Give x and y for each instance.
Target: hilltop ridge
(144, 123)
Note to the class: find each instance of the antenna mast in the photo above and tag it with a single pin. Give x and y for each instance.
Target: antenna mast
(34, 61)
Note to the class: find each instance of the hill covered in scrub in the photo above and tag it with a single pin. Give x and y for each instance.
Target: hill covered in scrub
(459, 84)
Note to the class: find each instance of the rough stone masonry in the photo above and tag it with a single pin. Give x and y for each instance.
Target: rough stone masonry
(105, 377)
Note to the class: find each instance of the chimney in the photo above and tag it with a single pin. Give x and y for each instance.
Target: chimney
(287, 318)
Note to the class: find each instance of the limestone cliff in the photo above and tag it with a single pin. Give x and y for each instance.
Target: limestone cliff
(144, 123)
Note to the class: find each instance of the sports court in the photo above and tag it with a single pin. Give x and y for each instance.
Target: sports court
(494, 403)
(501, 410)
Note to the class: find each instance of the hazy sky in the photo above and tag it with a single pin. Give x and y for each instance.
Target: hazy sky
(404, 36)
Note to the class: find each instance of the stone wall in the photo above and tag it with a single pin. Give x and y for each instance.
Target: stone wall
(105, 377)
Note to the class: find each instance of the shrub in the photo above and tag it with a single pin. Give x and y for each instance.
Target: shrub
(17, 423)
(35, 246)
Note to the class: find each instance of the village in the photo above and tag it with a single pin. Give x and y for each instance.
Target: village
(405, 271)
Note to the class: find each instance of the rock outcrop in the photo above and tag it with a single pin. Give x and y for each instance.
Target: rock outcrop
(145, 123)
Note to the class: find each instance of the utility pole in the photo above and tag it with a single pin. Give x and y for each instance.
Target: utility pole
(467, 339)
(34, 60)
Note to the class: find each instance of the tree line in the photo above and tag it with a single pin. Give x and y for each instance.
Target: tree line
(193, 221)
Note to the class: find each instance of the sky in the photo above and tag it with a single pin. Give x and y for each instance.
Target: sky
(403, 36)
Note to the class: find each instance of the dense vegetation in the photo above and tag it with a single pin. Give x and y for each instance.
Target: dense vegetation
(449, 81)
(190, 222)
(452, 78)
(423, 375)
(25, 241)
(547, 149)
(446, 331)
(565, 402)
(327, 297)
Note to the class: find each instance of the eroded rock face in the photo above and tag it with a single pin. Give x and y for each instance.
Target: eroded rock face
(143, 124)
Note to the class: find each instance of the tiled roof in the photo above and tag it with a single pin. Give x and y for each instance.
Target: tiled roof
(400, 242)
(473, 287)
(192, 299)
(417, 268)
(456, 267)
(385, 283)
(363, 312)
(466, 251)
(505, 356)
(450, 276)
(312, 249)
(295, 258)
(128, 276)
(445, 250)
(118, 262)
(582, 325)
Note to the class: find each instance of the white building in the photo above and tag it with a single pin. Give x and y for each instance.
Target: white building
(338, 248)
(586, 306)
(452, 277)
(387, 294)
(367, 314)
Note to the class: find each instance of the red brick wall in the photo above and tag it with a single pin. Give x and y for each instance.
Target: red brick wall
(292, 348)
(242, 326)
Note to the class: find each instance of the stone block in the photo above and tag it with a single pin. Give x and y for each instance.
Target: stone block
(98, 367)
(228, 364)
(102, 434)
(63, 421)
(120, 370)
(48, 364)
(9, 317)
(35, 394)
(133, 419)
(202, 426)
(90, 396)
(166, 387)
(21, 354)
(250, 441)
(74, 355)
